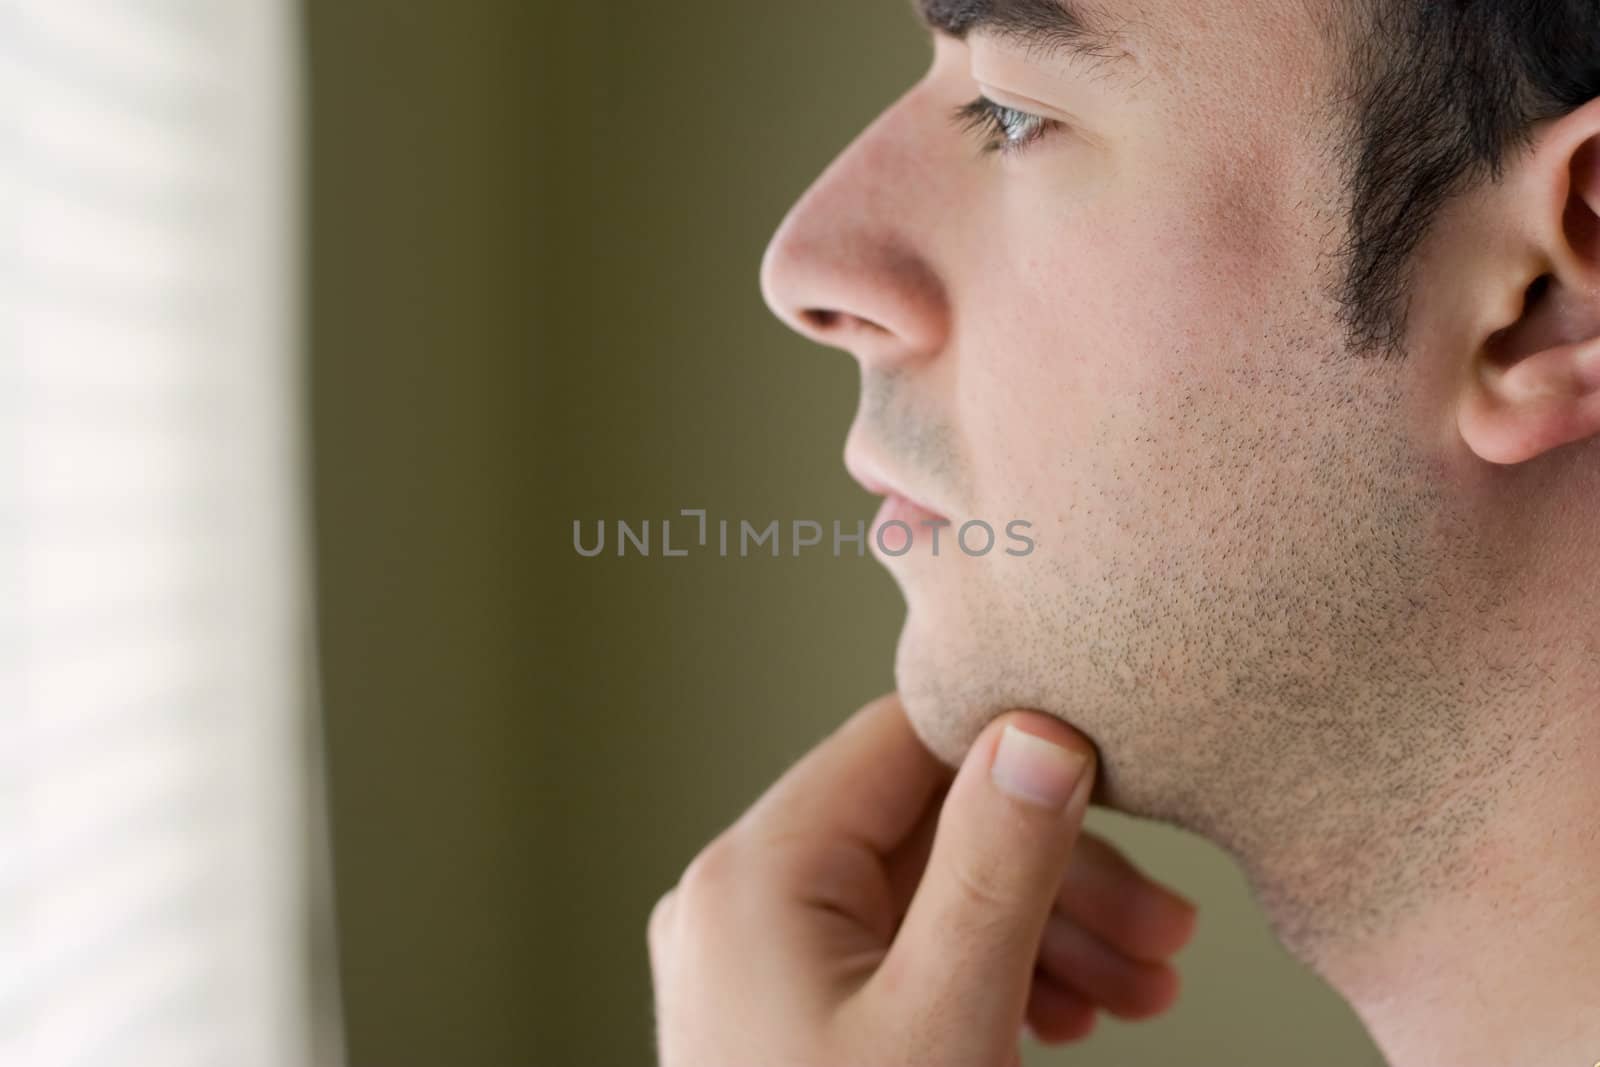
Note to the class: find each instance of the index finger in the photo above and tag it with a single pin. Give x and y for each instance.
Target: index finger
(870, 782)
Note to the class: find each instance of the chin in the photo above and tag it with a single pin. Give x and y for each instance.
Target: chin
(953, 683)
(948, 695)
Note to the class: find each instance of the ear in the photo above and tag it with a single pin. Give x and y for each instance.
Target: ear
(1536, 380)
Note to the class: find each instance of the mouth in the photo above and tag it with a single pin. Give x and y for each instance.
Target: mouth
(916, 520)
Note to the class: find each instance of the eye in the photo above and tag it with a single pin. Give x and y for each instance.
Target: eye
(1000, 128)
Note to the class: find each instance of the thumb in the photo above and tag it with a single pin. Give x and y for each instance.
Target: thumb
(962, 963)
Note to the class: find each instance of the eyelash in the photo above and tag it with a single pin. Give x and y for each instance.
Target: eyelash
(1000, 129)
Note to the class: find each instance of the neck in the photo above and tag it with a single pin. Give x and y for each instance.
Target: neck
(1493, 957)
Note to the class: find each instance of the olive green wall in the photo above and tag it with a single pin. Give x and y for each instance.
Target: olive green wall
(535, 233)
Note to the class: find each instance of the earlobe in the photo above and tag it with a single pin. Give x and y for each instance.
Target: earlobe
(1542, 401)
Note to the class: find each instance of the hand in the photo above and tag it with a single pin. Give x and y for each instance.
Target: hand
(868, 911)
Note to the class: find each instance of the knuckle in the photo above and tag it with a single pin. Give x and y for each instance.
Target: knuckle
(711, 872)
(660, 922)
(982, 886)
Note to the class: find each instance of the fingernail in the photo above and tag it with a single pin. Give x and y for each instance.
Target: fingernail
(1036, 771)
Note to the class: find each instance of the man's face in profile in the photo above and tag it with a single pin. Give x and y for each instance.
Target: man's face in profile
(1091, 269)
(1268, 320)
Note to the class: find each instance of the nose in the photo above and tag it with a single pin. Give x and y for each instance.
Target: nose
(850, 266)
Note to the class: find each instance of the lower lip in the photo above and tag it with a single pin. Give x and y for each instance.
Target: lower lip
(897, 508)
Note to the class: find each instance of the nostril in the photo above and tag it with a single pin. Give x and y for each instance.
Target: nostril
(825, 320)
(820, 318)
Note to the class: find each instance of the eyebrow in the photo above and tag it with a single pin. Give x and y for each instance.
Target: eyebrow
(1053, 26)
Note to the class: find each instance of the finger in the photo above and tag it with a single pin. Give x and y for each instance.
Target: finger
(904, 866)
(659, 928)
(961, 965)
(1107, 895)
(1057, 1013)
(1127, 988)
(868, 783)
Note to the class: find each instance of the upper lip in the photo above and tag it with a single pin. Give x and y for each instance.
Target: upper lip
(871, 477)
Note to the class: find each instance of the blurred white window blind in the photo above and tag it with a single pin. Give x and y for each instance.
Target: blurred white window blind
(151, 676)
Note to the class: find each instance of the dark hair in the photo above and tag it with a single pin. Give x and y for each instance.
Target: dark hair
(1442, 92)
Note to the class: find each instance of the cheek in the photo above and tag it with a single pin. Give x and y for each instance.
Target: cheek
(1096, 325)
(1065, 346)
